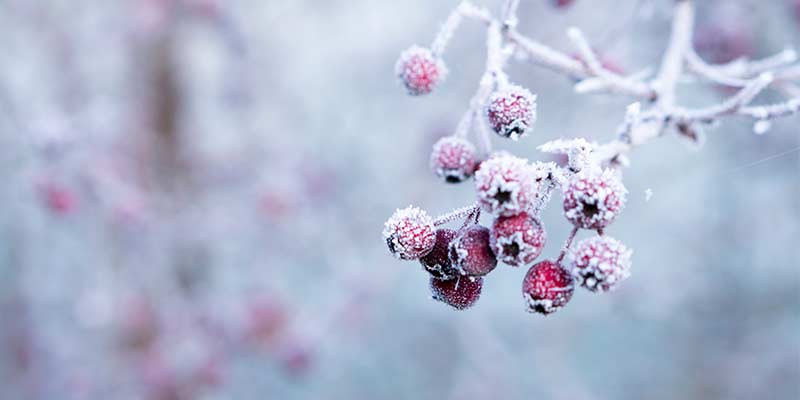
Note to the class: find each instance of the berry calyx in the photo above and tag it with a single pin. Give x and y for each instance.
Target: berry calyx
(453, 159)
(504, 185)
(512, 111)
(547, 287)
(471, 253)
(409, 233)
(461, 293)
(517, 240)
(419, 70)
(437, 262)
(593, 199)
(600, 263)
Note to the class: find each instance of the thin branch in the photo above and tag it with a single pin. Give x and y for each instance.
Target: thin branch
(679, 44)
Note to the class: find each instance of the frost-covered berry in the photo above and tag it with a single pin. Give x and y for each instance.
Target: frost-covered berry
(512, 111)
(470, 252)
(459, 293)
(600, 263)
(419, 70)
(517, 240)
(593, 199)
(437, 262)
(453, 159)
(504, 185)
(409, 233)
(547, 287)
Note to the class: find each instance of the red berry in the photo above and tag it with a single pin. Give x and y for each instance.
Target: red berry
(453, 159)
(547, 287)
(459, 293)
(471, 253)
(437, 262)
(518, 240)
(504, 185)
(600, 263)
(419, 70)
(512, 111)
(409, 233)
(593, 199)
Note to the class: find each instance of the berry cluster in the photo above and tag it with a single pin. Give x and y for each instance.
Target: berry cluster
(513, 191)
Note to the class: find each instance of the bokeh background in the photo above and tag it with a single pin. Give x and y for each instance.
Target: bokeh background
(193, 193)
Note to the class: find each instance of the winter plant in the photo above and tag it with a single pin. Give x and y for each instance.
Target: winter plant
(515, 191)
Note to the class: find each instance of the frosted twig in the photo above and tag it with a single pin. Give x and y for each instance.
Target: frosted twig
(612, 81)
(679, 43)
(567, 245)
(455, 215)
(446, 32)
(773, 110)
(729, 106)
(509, 15)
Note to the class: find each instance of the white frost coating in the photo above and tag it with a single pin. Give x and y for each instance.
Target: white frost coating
(600, 263)
(419, 70)
(409, 233)
(511, 111)
(762, 126)
(594, 198)
(504, 185)
(648, 194)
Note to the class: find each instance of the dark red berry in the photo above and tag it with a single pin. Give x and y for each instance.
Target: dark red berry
(471, 253)
(459, 293)
(547, 287)
(518, 240)
(437, 262)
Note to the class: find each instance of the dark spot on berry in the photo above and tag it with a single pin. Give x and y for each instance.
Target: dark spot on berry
(539, 308)
(511, 250)
(590, 210)
(514, 131)
(502, 196)
(390, 243)
(452, 179)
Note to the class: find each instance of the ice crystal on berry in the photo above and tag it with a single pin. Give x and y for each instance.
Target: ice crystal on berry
(600, 263)
(453, 159)
(512, 111)
(461, 293)
(593, 198)
(471, 252)
(419, 70)
(409, 233)
(547, 287)
(437, 262)
(504, 185)
(518, 240)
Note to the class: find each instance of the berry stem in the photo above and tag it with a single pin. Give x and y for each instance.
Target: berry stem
(446, 32)
(459, 213)
(567, 245)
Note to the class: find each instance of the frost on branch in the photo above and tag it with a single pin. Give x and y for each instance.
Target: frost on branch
(515, 191)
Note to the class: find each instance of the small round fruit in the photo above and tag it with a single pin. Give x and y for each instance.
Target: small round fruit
(600, 263)
(437, 262)
(460, 293)
(518, 240)
(512, 111)
(409, 233)
(471, 253)
(547, 288)
(593, 199)
(419, 70)
(504, 185)
(453, 159)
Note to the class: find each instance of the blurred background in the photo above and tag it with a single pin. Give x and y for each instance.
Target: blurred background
(193, 193)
